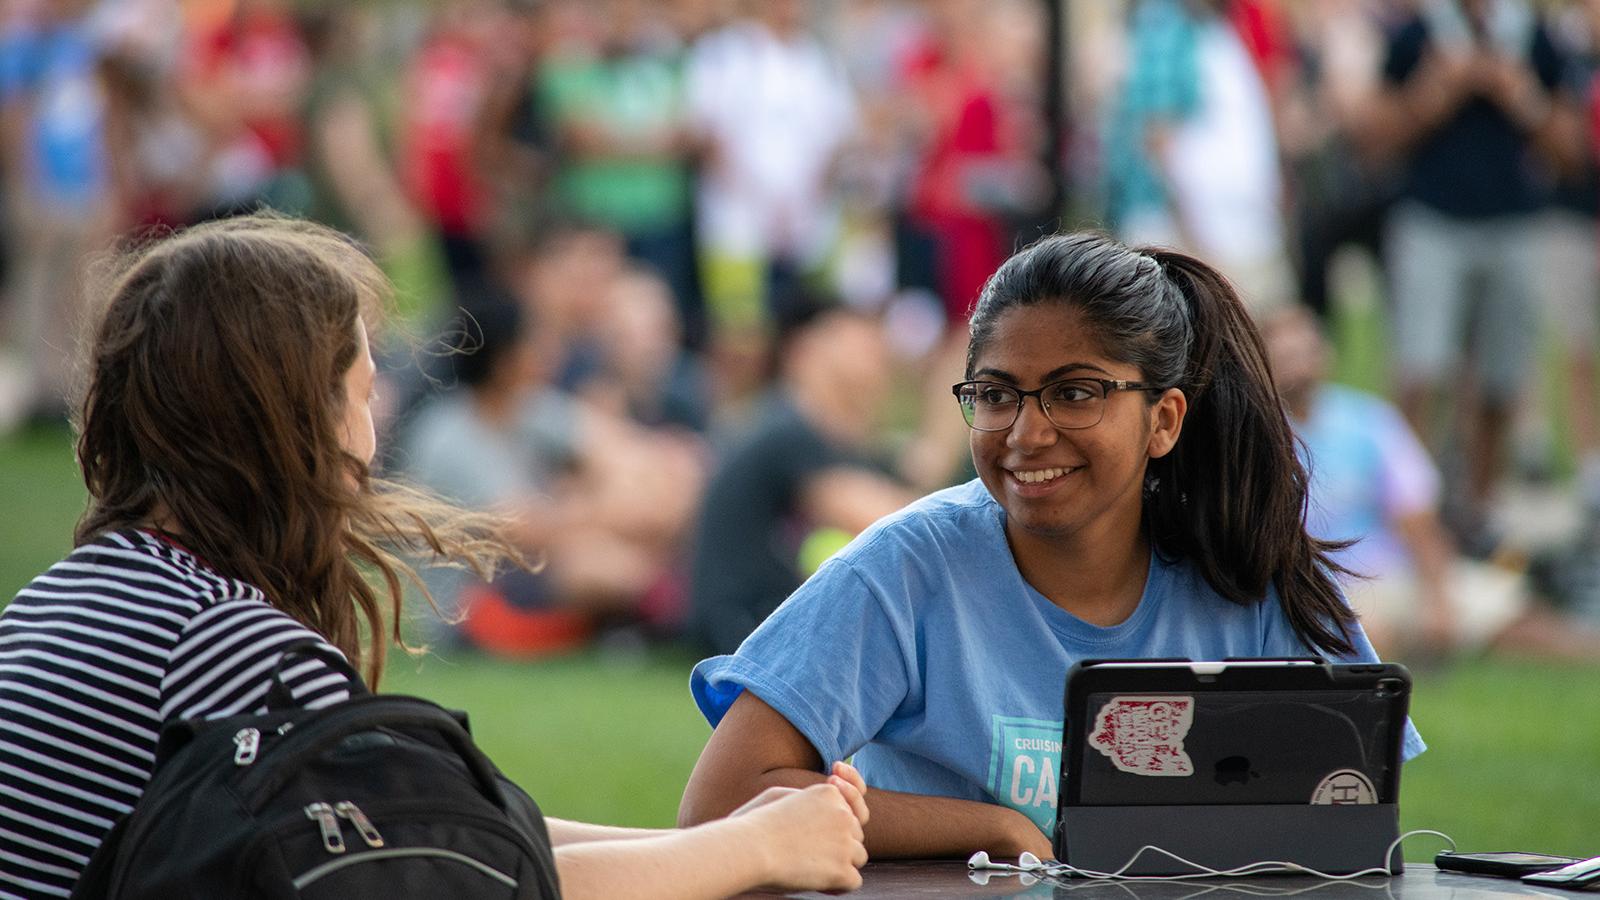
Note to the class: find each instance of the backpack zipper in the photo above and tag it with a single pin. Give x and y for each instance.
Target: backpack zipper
(247, 746)
(328, 824)
(348, 810)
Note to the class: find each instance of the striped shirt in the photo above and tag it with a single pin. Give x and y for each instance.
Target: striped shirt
(128, 633)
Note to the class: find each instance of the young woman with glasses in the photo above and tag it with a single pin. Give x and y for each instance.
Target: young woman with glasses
(226, 438)
(1138, 495)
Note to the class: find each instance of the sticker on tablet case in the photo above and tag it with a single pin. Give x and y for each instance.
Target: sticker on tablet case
(1344, 787)
(1144, 735)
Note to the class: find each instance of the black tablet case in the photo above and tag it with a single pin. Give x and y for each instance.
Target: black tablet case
(1263, 737)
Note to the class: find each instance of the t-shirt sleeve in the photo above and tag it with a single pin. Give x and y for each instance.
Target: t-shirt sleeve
(223, 663)
(832, 660)
(1279, 639)
(1408, 480)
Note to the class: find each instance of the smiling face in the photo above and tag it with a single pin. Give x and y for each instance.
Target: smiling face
(1068, 485)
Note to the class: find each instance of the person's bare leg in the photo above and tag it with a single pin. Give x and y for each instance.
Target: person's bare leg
(1583, 412)
(1486, 450)
(1546, 635)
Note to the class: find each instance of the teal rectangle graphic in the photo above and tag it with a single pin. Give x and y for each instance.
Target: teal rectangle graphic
(1025, 767)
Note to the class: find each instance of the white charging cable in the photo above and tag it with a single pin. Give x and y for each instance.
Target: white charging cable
(1030, 864)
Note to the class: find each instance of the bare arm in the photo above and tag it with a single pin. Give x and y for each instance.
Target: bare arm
(347, 143)
(786, 839)
(1431, 554)
(1401, 115)
(756, 748)
(851, 498)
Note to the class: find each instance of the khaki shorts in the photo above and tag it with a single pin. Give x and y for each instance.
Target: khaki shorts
(1484, 600)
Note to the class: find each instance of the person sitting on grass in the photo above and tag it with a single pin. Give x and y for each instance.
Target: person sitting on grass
(225, 439)
(1138, 495)
(1374, 485)
(606, 500)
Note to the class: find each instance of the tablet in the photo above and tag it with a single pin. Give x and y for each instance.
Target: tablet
(1234, 732)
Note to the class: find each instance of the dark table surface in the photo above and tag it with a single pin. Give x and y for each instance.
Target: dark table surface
(1420, 882)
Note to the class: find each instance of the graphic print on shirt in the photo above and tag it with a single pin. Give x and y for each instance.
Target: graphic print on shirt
(1025, 767)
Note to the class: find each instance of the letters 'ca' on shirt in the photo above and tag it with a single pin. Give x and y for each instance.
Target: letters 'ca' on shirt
(921, 650)
(125, 635)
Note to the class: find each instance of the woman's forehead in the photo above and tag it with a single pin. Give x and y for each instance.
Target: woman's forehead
(1042, 337)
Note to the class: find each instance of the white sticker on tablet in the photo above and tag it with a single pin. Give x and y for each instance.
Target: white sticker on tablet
(1344, 787)
(1144, 734)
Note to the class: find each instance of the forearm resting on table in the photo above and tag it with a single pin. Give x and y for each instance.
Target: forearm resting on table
(659, 864)
(564, 832)
(902, 825)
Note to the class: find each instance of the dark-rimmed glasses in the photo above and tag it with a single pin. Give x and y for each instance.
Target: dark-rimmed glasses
(1071, 403)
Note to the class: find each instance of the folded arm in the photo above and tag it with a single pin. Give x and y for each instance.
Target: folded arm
(755, 748)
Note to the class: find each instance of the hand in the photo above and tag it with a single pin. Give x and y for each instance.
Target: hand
(1512, 86)
(808, 840)
(853, 787)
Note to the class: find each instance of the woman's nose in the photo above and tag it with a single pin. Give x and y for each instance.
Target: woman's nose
(1033, 428)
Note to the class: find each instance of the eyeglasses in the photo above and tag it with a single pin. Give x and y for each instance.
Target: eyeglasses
(1073, 403)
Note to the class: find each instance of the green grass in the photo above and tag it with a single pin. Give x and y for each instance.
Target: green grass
(1514, 758)
(590, 739)
(40, 500)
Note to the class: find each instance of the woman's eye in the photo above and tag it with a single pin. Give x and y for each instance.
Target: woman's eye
(1071, 393)
(995, 397)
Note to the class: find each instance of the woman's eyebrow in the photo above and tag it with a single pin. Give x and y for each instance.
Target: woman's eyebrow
(1063, 371)
(1055, 374)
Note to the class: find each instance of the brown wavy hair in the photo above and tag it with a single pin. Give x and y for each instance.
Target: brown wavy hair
(214, 407)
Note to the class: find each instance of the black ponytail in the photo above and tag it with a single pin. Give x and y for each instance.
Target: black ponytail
(1231, 495)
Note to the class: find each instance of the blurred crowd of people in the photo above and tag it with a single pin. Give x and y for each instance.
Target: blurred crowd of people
(690, 277)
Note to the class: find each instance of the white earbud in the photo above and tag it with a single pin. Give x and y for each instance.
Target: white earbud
(979, 860)
(1028, 861)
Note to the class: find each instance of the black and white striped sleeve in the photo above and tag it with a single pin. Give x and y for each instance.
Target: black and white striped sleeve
(223, 663)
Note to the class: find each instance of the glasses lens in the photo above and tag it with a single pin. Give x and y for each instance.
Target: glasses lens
(1075, 404)
(988, 407)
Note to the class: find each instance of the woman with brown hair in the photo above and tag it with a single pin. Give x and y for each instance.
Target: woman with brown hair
(225, 438)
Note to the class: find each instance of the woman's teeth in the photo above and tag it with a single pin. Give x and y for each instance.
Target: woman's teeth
(1039, 475)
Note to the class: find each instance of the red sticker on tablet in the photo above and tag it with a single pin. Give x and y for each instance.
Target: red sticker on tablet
(1144, 735)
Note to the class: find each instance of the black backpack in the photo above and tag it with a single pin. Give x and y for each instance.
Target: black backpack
(380, 796)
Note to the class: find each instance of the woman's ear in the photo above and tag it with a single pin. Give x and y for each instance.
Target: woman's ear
(1166, 422)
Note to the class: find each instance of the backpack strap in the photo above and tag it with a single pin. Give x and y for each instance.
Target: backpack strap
(280, 698)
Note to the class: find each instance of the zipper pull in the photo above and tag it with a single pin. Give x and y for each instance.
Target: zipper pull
(369, 832)
(328, 823)
(248, 741)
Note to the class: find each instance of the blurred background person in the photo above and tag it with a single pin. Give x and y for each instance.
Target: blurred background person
(1468, 106)
(1373, 484)
(54, 110)
(645, 374)
(618, 113)
(245, 75)
(1191, 150)
(444, 111)
(606, 503)
(348, 160)
(799, 481)
(772, 108)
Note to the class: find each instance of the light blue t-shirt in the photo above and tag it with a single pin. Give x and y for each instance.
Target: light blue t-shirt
(1368, 470)
(920, 649)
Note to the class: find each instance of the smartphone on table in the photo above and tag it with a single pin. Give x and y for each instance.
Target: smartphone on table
(1505, 863)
